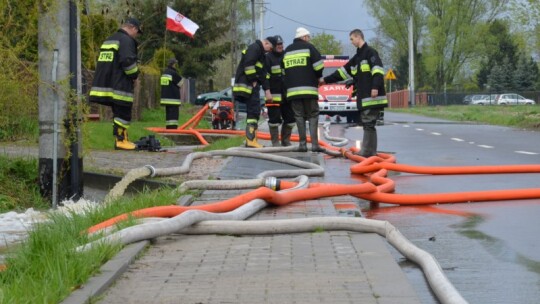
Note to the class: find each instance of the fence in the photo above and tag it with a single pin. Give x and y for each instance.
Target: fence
(400, 99)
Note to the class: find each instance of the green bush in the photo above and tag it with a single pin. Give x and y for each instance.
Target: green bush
(19, 187)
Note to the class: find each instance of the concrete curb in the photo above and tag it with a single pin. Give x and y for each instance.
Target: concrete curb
(108, 274)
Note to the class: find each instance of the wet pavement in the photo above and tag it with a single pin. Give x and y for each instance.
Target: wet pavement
(492, 257)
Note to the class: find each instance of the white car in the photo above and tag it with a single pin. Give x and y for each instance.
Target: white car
(513, 99)
(484, 100)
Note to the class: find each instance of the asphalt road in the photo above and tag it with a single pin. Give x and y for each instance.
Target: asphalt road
(492, 257)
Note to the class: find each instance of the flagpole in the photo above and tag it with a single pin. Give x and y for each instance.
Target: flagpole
(164, 46)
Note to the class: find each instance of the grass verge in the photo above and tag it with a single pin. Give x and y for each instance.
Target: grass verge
(223, 144)
(19, 189)
(98, 135)
(46, 269)
(522, 116)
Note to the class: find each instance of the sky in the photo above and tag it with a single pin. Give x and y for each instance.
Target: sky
(338, 17)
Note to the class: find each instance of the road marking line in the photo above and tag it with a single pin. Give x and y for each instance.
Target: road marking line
(471, 142)
(436, 133)
(418, 129)
(526, 152)
(457, 139)
(486, 146)
(406, 126)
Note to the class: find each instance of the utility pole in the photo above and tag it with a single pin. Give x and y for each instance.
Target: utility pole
(253, 34)
(60, 170)
(233, 38)
(261, 17)
(411, 63)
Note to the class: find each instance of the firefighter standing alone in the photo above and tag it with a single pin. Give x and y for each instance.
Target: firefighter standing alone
(250, 75)
(279, 110)
(171, 83)
(367, 71)
(114, 79)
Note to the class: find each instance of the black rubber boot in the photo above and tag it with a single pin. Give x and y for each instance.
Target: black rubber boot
(274, 136)
(286, 132)
(313, 132)
(301, 125)
(369, 143)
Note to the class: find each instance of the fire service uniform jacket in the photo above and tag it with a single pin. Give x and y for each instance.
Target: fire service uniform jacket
(250, 69)
(170, 87)
(367, 71)
(275, 75)
(302, 67)
(116, 71)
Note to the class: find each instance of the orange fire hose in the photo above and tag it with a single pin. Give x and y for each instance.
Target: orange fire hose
(378, 189)
(266, 194)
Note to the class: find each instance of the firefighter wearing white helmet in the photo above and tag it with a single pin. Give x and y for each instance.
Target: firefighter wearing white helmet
(303, 66)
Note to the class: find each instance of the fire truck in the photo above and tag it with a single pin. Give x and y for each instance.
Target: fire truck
(335, 98)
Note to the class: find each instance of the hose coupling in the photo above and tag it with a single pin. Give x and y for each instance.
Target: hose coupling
(152, 170)
(272, 183)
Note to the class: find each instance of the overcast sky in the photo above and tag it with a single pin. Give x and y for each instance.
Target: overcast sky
(336, 17)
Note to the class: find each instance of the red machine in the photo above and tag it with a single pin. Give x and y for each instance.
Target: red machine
(223, 115)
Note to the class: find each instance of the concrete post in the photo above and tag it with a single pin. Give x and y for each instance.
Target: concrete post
(64, 179)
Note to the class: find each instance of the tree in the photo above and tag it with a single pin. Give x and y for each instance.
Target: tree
(393, 17)
(526, 15)
(327, 44)
(499, 78)
(525, 74)
(497, 44)
(95, 29)
(196, 56)
(453, 29)
(445, 32)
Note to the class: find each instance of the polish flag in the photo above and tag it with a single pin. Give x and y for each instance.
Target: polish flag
(176, 22)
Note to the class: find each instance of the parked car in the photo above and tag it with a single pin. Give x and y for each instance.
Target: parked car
(484, 100)
(225, 94)
(513, 99)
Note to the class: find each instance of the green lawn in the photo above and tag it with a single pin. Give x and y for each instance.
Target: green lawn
(521, 116)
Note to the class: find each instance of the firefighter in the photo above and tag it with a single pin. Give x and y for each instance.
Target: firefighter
(279, 110)
(303, 67)
(171, 83)
(366, 68)
(115, 76)
(250, 75)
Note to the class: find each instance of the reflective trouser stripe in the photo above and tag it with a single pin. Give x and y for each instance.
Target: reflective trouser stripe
(371, 102)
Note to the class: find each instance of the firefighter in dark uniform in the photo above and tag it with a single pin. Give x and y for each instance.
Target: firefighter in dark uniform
(302, 67)
(115, 76)
(279, 110)
(170, 94)
(250, 75)
(366, 68)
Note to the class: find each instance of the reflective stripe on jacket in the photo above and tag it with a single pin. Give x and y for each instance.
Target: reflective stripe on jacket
(275, 76)
(170, 87)
(250, 70)
(116, 71)
(366, 68)
(302, 67)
